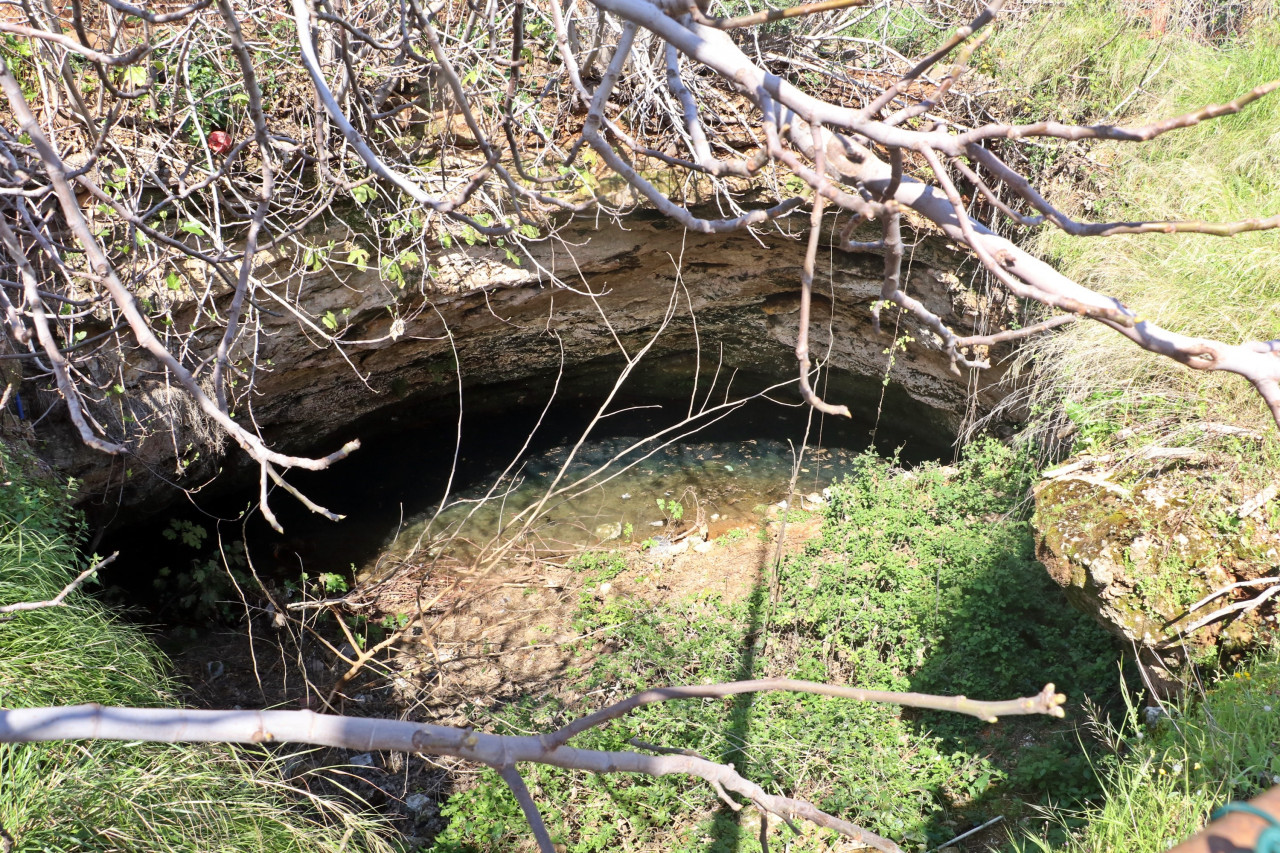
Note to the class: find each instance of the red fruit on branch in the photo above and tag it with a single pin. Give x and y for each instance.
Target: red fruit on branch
(219, 142)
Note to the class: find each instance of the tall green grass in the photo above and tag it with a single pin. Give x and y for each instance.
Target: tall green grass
(1095, 61)
(105, 796)
(1164, 780)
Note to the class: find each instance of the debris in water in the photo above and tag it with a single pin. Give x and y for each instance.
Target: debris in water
(663, 547)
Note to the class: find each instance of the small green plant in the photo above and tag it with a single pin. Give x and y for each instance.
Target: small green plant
(899, 345)
(672, 509)
(332, 583)
(205, 589)
(599, 566)
(191, 534)
(395, 621)
(1170, 588)
(729, 537)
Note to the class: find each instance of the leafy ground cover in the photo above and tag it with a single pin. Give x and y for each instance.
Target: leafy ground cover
(920, 580)
(65, 796)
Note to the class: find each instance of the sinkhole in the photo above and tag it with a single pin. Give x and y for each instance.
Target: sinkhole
(605, 463)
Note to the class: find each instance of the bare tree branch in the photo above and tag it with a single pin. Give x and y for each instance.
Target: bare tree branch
(60, 599)
(509, 161)
(501, 752)
(128, 58)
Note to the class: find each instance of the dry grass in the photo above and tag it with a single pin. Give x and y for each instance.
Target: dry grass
(1102, 61)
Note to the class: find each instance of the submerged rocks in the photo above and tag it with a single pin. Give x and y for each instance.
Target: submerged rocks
(609, 531)
(663, 548)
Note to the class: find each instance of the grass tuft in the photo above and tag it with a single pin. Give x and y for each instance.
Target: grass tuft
(1163, 778)
(107, 796)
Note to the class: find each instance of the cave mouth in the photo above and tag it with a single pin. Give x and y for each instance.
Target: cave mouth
(730, 461)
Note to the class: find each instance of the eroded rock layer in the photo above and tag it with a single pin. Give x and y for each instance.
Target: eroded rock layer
(502, 321)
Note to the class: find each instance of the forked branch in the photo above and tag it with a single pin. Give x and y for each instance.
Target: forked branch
(501, 752)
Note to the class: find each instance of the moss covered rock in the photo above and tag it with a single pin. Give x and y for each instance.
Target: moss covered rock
(1142, 557)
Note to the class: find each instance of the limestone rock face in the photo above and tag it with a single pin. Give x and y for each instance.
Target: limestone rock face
(502, 322)
(1139, 556)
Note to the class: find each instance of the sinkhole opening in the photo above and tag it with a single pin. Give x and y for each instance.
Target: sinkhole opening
(605, 465)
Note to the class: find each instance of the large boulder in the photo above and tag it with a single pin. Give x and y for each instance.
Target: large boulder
(1154, 550)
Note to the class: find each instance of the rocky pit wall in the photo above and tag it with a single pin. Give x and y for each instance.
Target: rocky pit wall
(743, 290)
(1135, 550)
